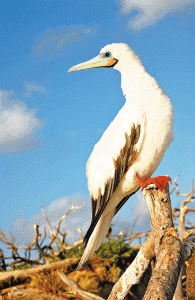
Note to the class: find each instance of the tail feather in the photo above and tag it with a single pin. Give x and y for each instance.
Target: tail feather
(97, 237)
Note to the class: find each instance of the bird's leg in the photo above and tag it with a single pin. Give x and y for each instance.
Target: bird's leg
(160, 181)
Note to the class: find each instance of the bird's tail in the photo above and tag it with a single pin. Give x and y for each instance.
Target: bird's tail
(97, 237)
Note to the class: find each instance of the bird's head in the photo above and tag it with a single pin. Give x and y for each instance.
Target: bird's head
(114, 55)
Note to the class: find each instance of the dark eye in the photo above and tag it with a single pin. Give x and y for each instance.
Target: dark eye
(107, 54)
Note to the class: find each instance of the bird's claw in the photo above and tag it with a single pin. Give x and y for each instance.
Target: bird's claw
(159, 181)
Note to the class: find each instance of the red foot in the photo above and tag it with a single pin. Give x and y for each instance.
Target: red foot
(160, 181)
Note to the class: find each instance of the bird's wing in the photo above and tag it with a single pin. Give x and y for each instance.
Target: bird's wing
(126, 156)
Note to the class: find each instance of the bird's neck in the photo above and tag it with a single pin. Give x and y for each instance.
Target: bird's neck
(144, 93)
(136, 83)
(138, 86)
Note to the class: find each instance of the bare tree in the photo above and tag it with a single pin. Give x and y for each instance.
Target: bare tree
(45, 250)
(164, 243)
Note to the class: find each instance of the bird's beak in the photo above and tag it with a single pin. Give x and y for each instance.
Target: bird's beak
(96, 62)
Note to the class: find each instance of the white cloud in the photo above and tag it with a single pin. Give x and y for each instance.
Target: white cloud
(31, 87)
(150, 11)
(54, 40)
(18, 123)
(23, 228)
(82, 218)
(76, 218)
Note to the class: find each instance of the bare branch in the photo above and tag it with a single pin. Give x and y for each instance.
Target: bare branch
(55, 234)
(77, 243)
(2, 260)
(78, 291)
(15, 277)
(40, 250)
(134, 272)
(66, 214)
(138, 236)
(80, 232)
(45, 252)
(133, 225)
(183, 212)
(189, 246)
(177, 188)
(168, 247)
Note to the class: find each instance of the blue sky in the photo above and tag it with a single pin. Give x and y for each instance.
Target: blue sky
(51, 119)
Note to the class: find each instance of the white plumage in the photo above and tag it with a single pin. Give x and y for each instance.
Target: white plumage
(134, 143)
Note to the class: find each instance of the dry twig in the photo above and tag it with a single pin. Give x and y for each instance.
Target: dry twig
(45, 252)
(77, 290)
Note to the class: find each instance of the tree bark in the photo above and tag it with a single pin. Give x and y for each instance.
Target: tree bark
(135, 271)
(167, 244)
(164, 243)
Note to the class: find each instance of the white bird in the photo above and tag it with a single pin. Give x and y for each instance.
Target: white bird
(133, 145)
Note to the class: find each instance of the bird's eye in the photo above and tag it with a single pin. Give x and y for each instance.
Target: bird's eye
(107, 54)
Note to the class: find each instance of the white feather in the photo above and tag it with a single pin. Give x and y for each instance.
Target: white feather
(146, 105)
(96, 238)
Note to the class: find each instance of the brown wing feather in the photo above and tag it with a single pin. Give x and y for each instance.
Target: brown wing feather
(125, 159)
(123, 201)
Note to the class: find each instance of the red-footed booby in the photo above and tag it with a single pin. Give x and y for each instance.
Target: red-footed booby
(133, 145)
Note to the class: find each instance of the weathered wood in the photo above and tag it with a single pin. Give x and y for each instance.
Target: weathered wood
(12, 278)
(165, 244)
(135, 271)
(168, 247)
(77, 290)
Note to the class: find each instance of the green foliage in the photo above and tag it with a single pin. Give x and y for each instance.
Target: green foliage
(111, 248)
(20, 267)
(115, 249)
